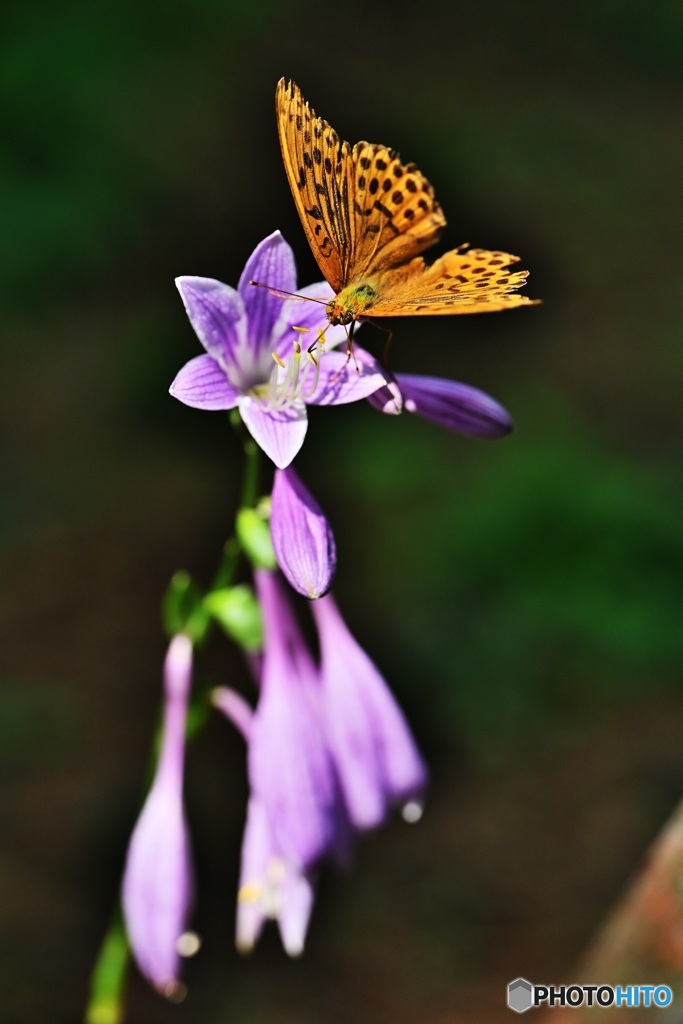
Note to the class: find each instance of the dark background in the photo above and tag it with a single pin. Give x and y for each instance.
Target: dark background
(523, 597)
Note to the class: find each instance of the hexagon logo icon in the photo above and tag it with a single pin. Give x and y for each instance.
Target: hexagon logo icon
(520, 995)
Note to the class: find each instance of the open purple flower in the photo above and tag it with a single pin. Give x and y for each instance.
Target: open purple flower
(255, 359)
(452, 405)
(271, 885)
(375, 754)
(302, 537)
(157, 882)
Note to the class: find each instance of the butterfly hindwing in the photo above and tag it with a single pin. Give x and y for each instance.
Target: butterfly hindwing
(396, 214)
(469, 281)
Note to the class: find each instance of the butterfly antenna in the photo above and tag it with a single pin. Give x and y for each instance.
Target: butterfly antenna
(280, 293)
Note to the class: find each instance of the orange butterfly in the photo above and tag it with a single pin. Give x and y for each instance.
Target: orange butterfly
(367, 216)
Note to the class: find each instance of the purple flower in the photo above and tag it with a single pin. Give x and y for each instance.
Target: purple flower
(157, 883)
(378, 763)
(448, 403)
(271, 886)
(257, 362)
(290, 768)
(302, 537)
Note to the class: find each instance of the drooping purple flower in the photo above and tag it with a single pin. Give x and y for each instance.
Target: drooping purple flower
(302, 537)
(452, 405)
(271, 886)
(157, 880)
(290, 768)
(257, 362)
(376, 757)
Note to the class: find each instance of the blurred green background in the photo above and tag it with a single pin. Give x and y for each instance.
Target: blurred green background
(523, 597)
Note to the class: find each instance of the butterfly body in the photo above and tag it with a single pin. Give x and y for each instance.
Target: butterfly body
(352, 302)
(368, 216)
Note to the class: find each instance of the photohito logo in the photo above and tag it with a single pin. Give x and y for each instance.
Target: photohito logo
(522, 995)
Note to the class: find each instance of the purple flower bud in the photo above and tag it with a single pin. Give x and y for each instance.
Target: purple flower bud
(375, 754)
(446, 402)
(290, 768)
(302, 537)
(388, 399)
(157, 882)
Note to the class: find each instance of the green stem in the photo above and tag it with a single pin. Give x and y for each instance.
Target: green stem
(105, 1005)
(252, 452)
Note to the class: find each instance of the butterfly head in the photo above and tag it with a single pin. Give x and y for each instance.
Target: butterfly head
(351, 302)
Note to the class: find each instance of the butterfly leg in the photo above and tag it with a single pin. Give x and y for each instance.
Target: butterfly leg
(389, 334)
(350, 353)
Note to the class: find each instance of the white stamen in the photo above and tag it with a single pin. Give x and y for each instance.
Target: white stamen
(298, 382)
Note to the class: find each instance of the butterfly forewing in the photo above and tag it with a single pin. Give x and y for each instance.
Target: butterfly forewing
(320, 173)
(473, 281)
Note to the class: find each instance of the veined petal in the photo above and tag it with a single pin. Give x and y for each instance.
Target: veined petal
(388, 399)
(453, 405)
(203, 384)
(302, 537)
(216, 311)
(272, 264)
(279, 432)
(340, 382)
(376, 757)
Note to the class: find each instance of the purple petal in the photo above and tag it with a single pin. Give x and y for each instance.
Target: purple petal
(217, 314)
(203, 384)
(157, 881)
(455, 406)
(280, 433)
(340, 382)
(257, 848)
(388, 399)
(298, 894)
(290, 769)
(302, 537)
(376, 757)
(235, 709)
(272, 264)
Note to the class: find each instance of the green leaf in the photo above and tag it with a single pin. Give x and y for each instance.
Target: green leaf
(254, 535)
(238, 612)
(182, 608)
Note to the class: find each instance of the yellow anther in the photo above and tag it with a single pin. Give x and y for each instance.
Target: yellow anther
(297, 349)
(250, 893)
(312, 357)
(278, 360)
(301, 330)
